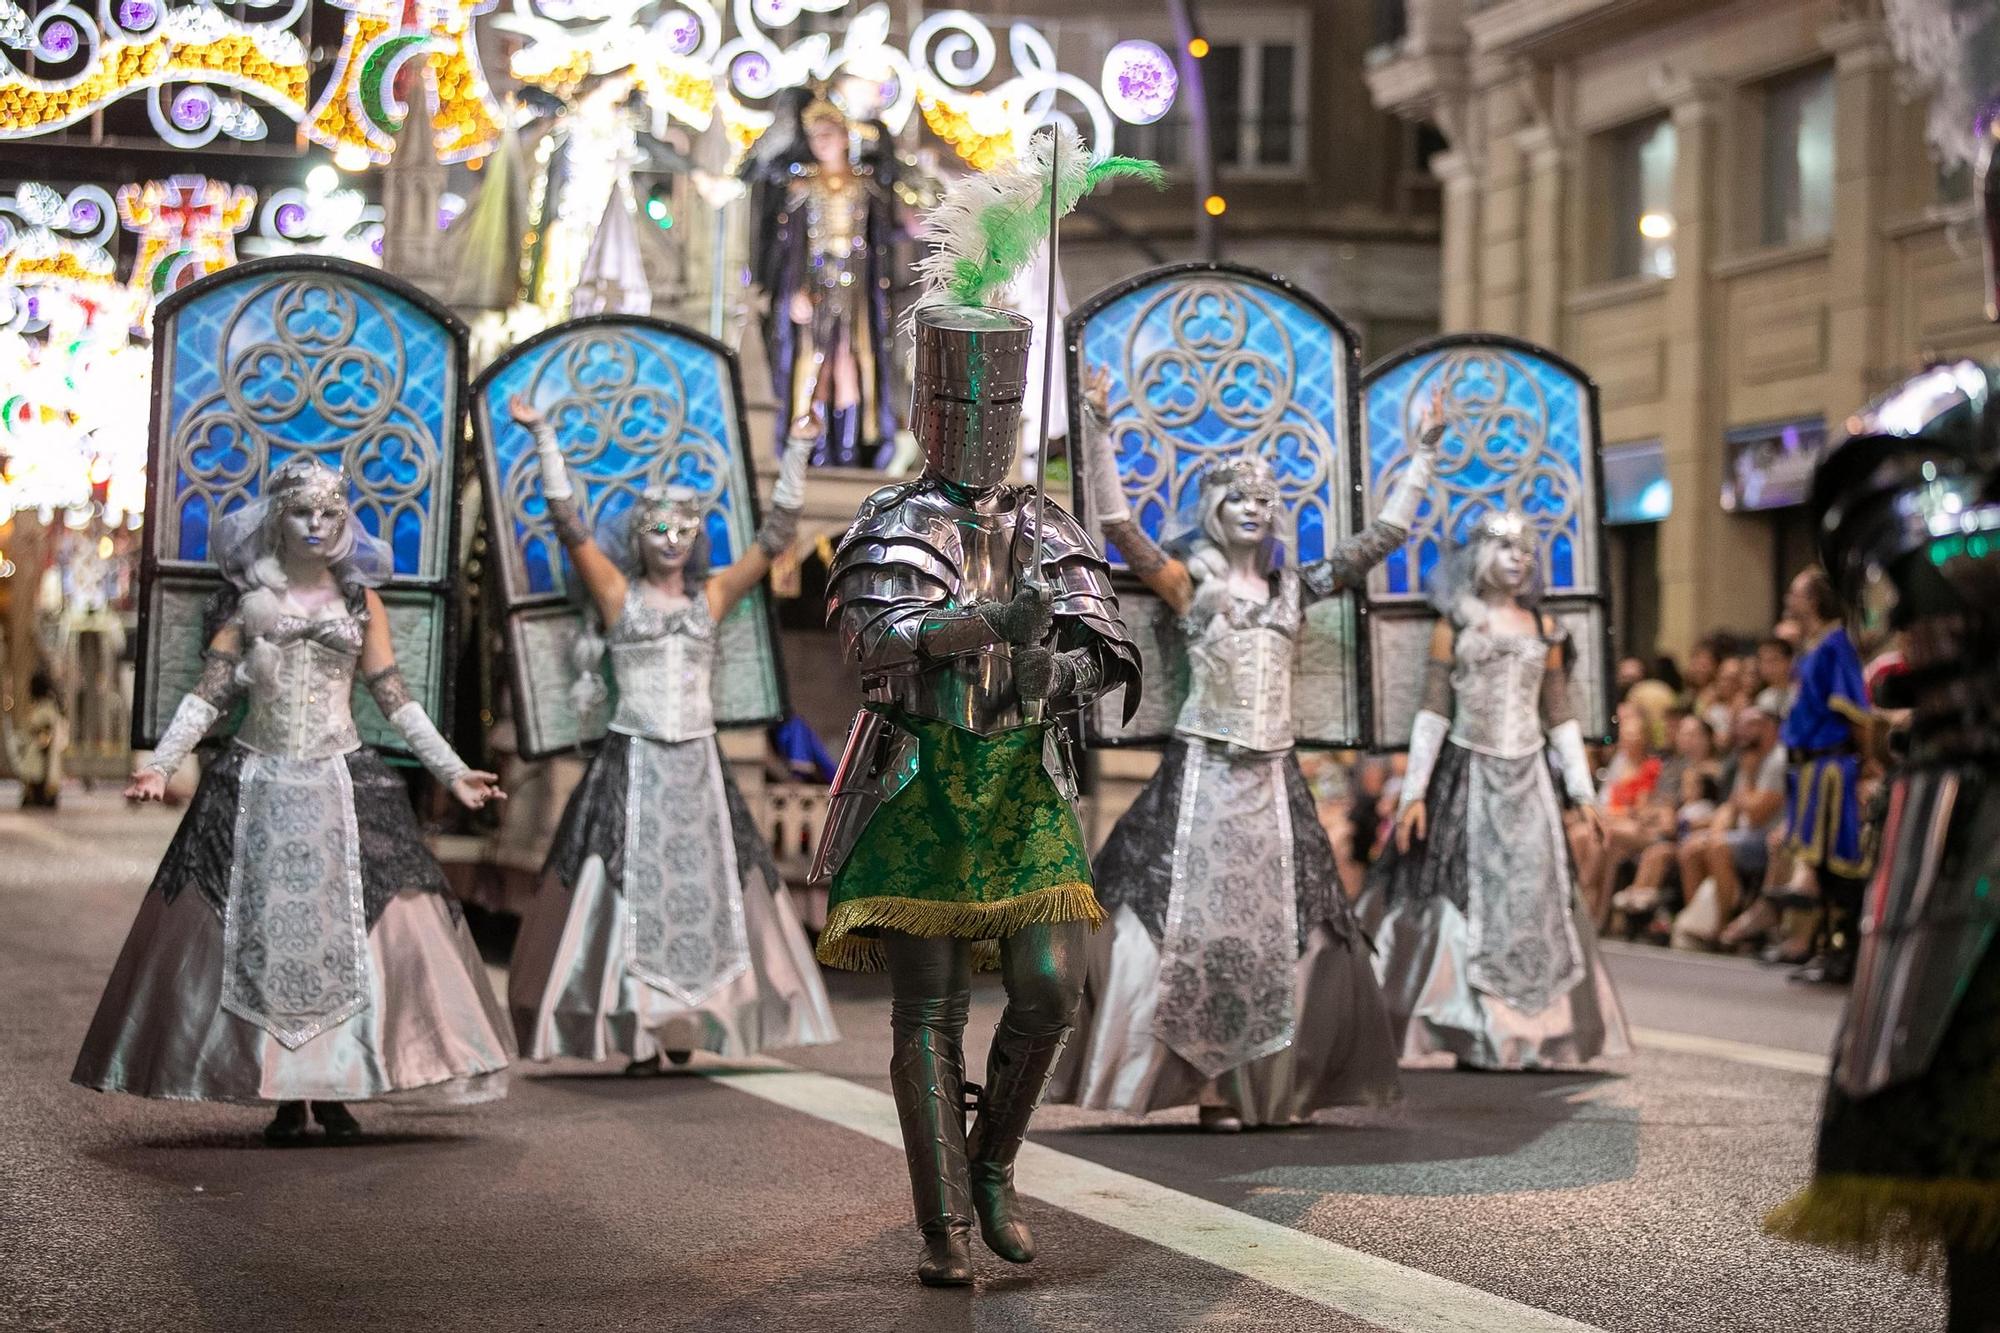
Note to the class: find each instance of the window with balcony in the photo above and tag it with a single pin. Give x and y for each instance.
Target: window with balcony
(1255, 75)
(1798, 158)
(1639, 167)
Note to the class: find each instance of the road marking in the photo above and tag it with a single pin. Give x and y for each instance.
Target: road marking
(1743, 1052)
(1333, 1276)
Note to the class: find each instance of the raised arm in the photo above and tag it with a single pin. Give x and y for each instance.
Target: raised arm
(471, 787)
(212, 696)
(600, 575)
(774, 537)
(1166, 576)
(1347, 564)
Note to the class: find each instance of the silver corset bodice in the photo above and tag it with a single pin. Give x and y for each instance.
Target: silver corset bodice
(663, 662)
(1240, 657)
(913, 550)
(301, 696)
(1496, 684)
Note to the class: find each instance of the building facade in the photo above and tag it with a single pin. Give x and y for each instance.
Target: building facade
(1725, 211)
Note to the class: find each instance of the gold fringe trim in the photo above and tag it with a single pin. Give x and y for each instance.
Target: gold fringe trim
(985, 922)
(1892, 1216)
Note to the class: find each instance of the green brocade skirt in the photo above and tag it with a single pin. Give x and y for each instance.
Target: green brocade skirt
(977, 845)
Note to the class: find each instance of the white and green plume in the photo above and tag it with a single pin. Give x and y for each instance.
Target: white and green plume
(988, 225)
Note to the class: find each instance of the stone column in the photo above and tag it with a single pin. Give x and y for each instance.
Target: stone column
(1865, 105)
(1703, 551)
(1544, 241)
(1501, 241)
(1458, 307)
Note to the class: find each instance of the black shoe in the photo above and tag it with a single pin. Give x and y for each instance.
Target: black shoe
(1825, 969)
(679, 1058)
(288, 1127)
(337, 1121)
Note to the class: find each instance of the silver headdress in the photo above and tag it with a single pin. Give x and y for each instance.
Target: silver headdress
(246, 542)
(1238, 474)
(618, 535)
(1455, 582)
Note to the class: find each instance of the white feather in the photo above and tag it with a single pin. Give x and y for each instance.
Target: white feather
(958, 228)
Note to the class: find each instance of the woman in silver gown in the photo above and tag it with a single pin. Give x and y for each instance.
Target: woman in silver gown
(1486, 957)
(661, 926)
(1233, 976)
(297, 943)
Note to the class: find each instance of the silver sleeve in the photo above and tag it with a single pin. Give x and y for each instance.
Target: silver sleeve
(432, 750)
(1567, 740)
(1426, 744)
(191, 722)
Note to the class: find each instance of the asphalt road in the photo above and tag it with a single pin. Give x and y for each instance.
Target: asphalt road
(770, 1197)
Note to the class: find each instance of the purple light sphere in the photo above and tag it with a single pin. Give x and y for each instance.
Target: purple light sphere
(1139, 82)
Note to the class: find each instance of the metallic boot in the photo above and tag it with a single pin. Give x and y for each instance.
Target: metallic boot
(1017, 1073)
(927, 1075)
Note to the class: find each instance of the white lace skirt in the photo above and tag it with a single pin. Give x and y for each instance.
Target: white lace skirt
(1340, 1053)
(431, 1029)
(572, 993)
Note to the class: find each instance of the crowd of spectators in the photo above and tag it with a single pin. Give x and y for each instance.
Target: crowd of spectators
(1696, 794)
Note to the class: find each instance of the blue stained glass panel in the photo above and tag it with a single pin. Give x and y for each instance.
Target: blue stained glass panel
(1207, 364)
(635, 405)
(268, 364)
(1518, 437)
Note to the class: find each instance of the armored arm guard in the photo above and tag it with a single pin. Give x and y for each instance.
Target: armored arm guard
(894, 589)
(1086, 610)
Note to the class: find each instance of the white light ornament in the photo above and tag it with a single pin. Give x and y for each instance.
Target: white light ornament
(195, 63)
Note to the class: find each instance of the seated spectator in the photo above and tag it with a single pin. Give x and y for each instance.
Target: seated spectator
(1734, 849)
(1631, 670)
(1774, 675)
(1653, 857)
(1624, 797)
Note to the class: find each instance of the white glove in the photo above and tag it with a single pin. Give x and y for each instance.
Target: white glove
(1426, 744)
(790, 490)
(1400, 510)
(191, 722)
(555, 474)
(1567, 738)
(1107, 492)
(432, 750)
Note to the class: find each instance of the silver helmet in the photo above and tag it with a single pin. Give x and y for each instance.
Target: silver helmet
(972, 373)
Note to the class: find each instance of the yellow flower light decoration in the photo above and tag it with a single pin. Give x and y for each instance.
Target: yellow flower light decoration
(357, 116)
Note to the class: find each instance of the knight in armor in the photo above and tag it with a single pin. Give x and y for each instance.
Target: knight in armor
(1909, 1144)
(979, 615)
(1486, 956)
(1234, 976)
(298, 944)
(661, 926)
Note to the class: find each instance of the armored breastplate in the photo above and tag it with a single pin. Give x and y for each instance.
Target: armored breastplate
(1240, 672)
(1496, 682)
(663, 661)
(302, 676)
(919, 548)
